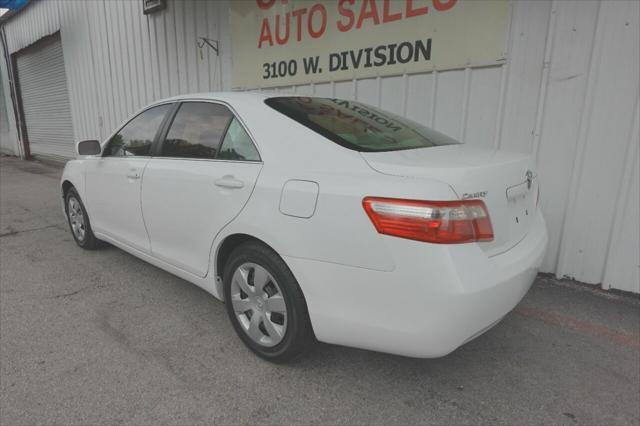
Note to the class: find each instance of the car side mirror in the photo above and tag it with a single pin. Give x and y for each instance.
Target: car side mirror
(90, 147)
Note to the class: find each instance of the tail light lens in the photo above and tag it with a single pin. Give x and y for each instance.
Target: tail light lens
(440, 222)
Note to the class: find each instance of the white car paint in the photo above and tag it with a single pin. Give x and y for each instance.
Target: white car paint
(304, 200)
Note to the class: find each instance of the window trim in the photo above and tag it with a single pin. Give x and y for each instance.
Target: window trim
(122, 126)
(156, 153)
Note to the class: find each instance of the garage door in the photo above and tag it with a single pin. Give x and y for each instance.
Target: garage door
(45, 99)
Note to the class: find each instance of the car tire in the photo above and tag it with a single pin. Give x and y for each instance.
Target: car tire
(78, 221)
(272, 334)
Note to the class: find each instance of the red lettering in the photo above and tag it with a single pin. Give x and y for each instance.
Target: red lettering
(285, 39)
(318, 7)
(443, 5)
(298, 13)
(389, 17)
(265, 34)
(347, 13)
(368, 14)
(411, 12)
(265, 4)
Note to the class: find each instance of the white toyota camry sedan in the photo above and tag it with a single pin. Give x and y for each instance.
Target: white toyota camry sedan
(316, 218)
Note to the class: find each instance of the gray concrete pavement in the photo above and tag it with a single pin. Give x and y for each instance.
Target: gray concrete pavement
(101, 337)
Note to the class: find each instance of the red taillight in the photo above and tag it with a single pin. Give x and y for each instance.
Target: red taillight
(442, 222)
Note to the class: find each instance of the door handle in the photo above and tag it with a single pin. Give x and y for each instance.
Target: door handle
(229, 182)
(133, 175)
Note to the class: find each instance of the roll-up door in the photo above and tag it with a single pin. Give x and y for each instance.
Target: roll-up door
(45, 99)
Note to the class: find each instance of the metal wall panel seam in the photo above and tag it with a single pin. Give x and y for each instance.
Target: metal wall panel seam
(165, 60)
(466, 91)
(544, 82)
(585, 116)
(153, 51)
(110, 100)
(176, 62)
(213, 34)
(145, 49)
(221, 46)
(624, 186)
(202, 30)
(101, 71)
(195, 27)
(115, 63)
(434, 96)
(129, 54)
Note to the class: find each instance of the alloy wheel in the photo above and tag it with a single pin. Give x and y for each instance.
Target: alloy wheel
(76, 218)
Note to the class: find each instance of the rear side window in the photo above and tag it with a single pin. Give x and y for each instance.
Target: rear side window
(358, 126)
(197, 130)
(136, 137)
(237, 144)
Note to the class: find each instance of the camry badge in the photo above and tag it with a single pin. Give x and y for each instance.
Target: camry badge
(480, 194)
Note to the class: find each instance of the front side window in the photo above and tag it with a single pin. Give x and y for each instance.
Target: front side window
(237, 144)
(358, 126)
(136, 137)
(197, 130)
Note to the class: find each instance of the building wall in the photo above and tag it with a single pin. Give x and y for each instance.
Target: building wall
(8, 131)
(569, 94)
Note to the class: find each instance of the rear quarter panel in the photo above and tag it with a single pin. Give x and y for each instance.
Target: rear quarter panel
(339, 231)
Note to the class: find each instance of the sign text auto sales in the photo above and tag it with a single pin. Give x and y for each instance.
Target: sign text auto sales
(312, 22)
(278, 42)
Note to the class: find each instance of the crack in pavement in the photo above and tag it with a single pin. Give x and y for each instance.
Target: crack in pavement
(14, 232)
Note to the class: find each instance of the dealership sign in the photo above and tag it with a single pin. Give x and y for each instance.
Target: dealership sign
(283, 42)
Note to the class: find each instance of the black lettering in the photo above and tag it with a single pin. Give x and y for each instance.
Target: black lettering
(334, 65)
(311, 64)
(420, 48)
(344, 61)
(392, 54)
(403, 59)
(367, 63)
(355, 60)
(380, 54)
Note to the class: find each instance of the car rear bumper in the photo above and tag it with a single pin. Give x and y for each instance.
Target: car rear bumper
(436, 299)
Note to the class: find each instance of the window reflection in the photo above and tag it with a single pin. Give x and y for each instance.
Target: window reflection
(136, 137)
(196, 130)
(237, 144)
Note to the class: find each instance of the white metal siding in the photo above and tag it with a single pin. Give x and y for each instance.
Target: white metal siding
(5, 142)
(568, 94)
(45, 99)
(8, 131)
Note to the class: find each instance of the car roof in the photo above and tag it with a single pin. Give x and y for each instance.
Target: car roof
(229, 97)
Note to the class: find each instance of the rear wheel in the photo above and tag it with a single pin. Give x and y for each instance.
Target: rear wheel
(265, 304)
(79, 221)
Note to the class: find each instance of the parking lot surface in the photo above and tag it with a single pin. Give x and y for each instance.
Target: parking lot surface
(102, 337)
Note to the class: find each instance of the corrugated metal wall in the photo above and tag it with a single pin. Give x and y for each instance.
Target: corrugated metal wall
(5, 136)
(569, 93)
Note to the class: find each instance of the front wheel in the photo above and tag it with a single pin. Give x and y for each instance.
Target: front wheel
(79, 221)
(265, 304)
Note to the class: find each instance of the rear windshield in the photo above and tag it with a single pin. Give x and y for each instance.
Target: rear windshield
(358, 126)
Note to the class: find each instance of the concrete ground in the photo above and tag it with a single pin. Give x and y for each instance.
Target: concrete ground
(102, 337)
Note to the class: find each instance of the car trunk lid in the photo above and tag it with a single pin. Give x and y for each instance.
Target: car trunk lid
(505, 181)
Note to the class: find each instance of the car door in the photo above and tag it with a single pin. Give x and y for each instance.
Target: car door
(198, 181)
(113, 179)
